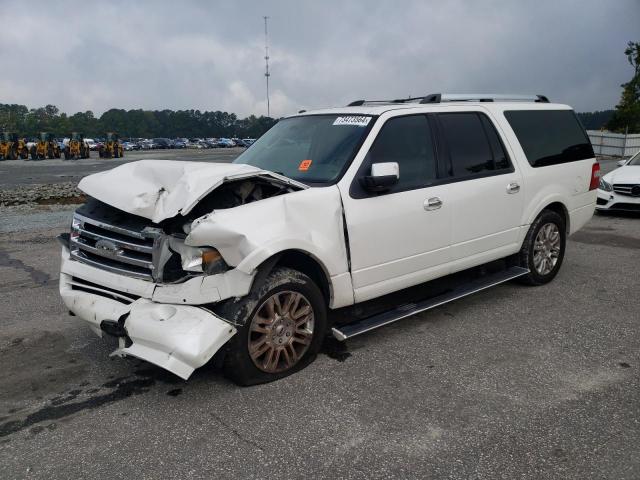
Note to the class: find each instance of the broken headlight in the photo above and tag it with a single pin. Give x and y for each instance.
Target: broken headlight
(198, 259)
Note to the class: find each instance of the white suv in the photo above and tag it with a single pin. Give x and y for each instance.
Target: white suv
(339, 220)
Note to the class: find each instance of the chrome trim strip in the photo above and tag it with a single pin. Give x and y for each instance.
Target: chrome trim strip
(75, 254)
(120, 243)
(113, 228)
(119, 257)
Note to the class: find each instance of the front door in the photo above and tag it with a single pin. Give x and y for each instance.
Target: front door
(400, 237)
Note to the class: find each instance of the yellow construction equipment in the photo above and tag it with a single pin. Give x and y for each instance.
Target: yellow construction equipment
(111, 148)
(12, 147)
(46, 147)
(76, 148)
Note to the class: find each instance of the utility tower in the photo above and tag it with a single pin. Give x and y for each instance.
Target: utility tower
(266, 63)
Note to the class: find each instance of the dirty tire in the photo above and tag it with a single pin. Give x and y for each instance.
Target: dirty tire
(238, 364)
(526, 255)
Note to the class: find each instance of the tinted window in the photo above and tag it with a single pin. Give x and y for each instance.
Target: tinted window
(473, 144)
(407, 141)
(500, 158)
(549, 137)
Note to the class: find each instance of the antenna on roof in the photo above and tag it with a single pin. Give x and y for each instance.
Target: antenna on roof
(266, 63)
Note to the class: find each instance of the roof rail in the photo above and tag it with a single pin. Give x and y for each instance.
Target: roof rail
(456, 97)
(482, 97)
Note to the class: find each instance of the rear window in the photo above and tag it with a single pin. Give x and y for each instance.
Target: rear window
(550, 137)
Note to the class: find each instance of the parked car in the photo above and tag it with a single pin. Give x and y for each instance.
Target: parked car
(248, 141)
(225, 143)
(162, 143)
(620, 189)
(239, 143)
(324, 226)
(129, 146)
(179, 143)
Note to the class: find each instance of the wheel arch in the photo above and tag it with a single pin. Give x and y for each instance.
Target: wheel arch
(303, 262)
(555, 204)
(561, 209)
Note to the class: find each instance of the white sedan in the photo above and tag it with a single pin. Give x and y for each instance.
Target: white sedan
(620, 189)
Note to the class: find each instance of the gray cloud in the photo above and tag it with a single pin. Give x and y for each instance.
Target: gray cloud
(83, 55)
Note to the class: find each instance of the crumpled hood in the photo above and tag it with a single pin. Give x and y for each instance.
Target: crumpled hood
(627, 174)
(161, 189)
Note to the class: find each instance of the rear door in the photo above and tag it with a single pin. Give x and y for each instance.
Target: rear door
(485, 189)
(399, 237)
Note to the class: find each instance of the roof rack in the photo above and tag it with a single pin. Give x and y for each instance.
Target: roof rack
(456, 97)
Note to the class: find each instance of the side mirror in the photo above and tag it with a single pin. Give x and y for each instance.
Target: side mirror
(383, 177)
(622, 163)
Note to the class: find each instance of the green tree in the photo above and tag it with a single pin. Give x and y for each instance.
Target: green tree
(132, 123)
(627, 114)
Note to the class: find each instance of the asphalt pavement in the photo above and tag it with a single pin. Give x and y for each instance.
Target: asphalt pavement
(513, 382)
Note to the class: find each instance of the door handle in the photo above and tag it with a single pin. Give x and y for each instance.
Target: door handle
(513, 187)
(433, 203)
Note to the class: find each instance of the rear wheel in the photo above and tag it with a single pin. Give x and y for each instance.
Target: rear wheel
(283, 322)
(543, 249)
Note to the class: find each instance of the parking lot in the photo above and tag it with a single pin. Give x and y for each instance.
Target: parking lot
(514, 382)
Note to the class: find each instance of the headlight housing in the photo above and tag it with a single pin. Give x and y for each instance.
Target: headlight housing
(604, 185)
(198, 259)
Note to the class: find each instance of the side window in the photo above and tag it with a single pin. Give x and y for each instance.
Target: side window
(473, 144)
(499, 155)
(407, 141)
(550, 137)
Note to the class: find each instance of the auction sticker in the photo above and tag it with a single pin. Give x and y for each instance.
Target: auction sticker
(304, 165)
(358, 121)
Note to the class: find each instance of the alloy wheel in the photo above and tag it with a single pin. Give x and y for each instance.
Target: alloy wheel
(546, 249)
(281, 331)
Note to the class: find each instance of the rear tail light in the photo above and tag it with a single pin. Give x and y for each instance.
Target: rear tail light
(595, 176)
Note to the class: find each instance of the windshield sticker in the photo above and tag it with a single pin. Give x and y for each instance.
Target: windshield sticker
(360, 121)
(304, 165)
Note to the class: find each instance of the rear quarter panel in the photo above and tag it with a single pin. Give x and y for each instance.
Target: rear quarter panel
(566, 183)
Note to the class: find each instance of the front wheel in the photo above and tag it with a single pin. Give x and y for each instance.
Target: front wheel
(282, 325)
(543, 248)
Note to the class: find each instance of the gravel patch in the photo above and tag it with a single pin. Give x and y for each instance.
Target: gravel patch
(42, 194)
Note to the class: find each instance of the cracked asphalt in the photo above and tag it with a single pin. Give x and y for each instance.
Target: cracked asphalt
(513, 382)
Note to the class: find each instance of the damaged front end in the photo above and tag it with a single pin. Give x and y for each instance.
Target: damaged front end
(130, 270)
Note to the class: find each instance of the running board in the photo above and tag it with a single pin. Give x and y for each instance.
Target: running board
(403, 311)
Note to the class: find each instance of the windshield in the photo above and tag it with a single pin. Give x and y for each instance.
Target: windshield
(310, 149)
(635, 160)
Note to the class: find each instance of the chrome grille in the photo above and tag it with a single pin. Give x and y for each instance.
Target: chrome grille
(633, 190)
(114, 248)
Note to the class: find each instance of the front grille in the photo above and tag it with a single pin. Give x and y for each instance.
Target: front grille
(630, 189)
(628, 207)
(114, 248)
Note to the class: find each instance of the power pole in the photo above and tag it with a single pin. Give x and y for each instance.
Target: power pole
(266, 63)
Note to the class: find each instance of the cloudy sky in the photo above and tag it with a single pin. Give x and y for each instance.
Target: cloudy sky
(208, 55)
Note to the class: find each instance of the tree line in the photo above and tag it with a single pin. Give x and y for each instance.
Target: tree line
(626, 117)
(131, 123)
